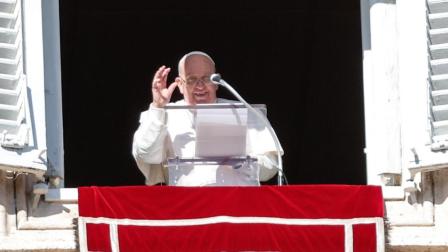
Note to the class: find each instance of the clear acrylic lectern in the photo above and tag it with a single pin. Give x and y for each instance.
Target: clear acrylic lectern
(218, 171)
(221, 156)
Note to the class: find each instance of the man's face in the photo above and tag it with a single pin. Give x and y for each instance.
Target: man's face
(194, 81)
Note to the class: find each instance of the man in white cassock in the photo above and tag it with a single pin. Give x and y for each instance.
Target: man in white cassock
(169, 133)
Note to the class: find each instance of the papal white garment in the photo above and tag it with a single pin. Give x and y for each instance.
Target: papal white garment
(169, 133)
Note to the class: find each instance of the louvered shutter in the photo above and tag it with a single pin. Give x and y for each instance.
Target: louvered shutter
(14, 131)
(23, 134)
(438, 88)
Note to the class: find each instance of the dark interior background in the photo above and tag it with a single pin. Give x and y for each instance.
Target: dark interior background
(303, 59)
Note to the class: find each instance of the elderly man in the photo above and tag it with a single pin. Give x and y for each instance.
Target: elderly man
(165, 133)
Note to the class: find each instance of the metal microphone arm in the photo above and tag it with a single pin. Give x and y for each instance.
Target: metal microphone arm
(216, 79)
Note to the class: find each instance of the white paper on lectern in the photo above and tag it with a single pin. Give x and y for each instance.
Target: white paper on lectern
(221, 132)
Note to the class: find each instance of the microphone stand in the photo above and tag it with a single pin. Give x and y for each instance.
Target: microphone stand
(216, 79)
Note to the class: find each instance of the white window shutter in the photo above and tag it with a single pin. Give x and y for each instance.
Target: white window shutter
(438, 81)
(14, 131)
(23, 134)
(425, 134)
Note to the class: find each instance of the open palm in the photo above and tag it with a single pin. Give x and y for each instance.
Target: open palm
(161, 94)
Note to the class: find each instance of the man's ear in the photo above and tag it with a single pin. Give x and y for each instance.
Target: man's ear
(180, 85)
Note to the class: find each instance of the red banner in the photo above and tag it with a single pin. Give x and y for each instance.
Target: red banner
(266, 218)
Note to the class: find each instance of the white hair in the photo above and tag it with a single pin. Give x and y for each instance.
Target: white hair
(184, 58)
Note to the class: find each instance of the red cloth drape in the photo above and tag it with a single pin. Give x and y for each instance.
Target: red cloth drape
(190, 203)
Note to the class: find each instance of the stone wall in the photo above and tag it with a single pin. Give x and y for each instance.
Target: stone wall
(48, 226)
(419, 221)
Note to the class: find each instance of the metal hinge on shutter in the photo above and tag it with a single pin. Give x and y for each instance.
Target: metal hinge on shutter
(437, 17)
(14, 131)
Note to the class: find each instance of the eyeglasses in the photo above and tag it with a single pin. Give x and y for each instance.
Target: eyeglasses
(195, 80)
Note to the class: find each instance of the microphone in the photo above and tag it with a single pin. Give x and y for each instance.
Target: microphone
(217, 80)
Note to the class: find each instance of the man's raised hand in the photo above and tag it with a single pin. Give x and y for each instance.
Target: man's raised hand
(161, 94)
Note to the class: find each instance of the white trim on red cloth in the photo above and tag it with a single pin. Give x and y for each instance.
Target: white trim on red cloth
(347, 223)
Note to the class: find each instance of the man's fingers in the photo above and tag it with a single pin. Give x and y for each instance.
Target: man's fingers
(161, 94)
(160, 77)
(165, 73)
(172, 87)
(159, 72)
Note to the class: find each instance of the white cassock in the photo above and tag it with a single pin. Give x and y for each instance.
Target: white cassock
(170, 133)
